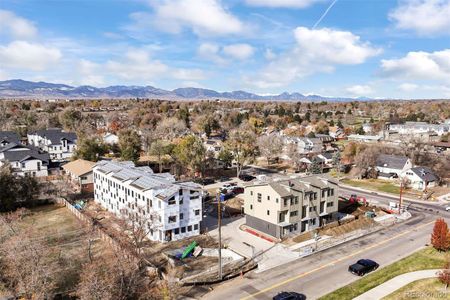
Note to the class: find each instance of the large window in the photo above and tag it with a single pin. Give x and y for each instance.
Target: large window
(293, 213)
(172, 219)
(197, 212)
(172, 201)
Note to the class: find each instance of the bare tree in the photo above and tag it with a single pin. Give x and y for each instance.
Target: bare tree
(241, 144)
(270, 146)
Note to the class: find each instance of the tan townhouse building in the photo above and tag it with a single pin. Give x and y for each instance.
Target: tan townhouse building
(283, 207)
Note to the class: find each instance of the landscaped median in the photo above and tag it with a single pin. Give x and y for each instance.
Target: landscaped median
(427, 258)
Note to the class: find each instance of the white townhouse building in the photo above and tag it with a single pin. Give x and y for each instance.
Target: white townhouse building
(25, 160)
(414, 128)
(60, 145)
(172, 210)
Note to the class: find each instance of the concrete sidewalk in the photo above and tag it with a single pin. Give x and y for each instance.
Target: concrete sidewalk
(396, 283)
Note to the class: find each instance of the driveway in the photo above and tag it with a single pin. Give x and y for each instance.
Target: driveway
(242, 242)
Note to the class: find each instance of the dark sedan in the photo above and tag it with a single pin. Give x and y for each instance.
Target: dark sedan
(363, 266)
(289, 296)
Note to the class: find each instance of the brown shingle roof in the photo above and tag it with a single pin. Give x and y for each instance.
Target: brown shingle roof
(79, 167)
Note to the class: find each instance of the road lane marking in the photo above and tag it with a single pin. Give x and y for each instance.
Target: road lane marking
(335, 261)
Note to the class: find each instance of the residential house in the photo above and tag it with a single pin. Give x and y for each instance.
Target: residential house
(365, 138)
(421, 178)
(25, 160)
(80, 173)
(304, 145)
(327, 157)
(59, 144)
(110, 138)
(172, 210)
(337, 133)
(392, 166)
(279, 208)
(7, 137)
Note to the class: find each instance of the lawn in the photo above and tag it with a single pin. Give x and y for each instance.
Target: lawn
(430, 288)
(427, 258)
(374, 184)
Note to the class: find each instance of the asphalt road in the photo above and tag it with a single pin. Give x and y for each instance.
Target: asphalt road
(326, 271)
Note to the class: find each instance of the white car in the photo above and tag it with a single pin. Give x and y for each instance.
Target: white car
(447, 208)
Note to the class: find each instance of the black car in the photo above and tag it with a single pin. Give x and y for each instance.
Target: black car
(289, 296)
(204, 181)
(362, 267)
(246, 177)
(224, 178)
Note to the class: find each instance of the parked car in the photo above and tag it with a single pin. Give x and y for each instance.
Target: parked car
(447, 208)
(204, 181)
(289, 296)
(224, 178)
(246, 177)
(363, 266)
(238, 190)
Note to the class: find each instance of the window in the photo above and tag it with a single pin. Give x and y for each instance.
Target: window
(268, 212)
(177, 230)
(181, 201)
(285, 202)
(293, 213)
(268, 198)
(296, 199)
(251, 206)
(276, 200)
(181, 216)
(172, 201)
(323, 193)
(304, 208)
(183, 229)
(322, 206)
(311, 208)
(315, 196)
(172, 219)
(197, 212)
(189, 228)
(330, 204)
(251, 193)
(332, 192)
(180, 192)
(292, 201)
(195, 226)
(259, 197)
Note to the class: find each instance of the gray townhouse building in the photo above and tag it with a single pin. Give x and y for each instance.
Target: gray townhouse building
(283, 207)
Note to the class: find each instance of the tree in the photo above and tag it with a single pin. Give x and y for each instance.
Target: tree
(129, 144)
(360, 130)
(191, 153)
(444, 275)
(90, 149)
(16, 191)
(440, 238)
(322, 127)
(159, 148)
(316, 166)
(241, 143)
(70, 119)
(366, 160)
(311, 134)
(226, 157)
(170, 128)
(270, 146)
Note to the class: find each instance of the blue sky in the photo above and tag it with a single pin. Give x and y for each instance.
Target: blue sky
(373, 48)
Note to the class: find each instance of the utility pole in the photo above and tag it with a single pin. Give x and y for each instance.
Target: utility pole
(400, 200)
(219, 224)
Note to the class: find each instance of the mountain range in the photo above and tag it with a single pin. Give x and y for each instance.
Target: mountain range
(18, 88)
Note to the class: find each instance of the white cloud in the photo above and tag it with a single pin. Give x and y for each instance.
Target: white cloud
(269, 54)
(316, 50)
(239, 51)
(90, 73)
(408, 87)
(419, 65)
(16, 26)
(283, 3)
(426, 17)
(210, 51)
(188, 74)
(28, 56)
(206, 17)
(360, 90)
(136, 65)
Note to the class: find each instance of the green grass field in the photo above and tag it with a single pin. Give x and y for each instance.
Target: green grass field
(374, 184)
(427, 258)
